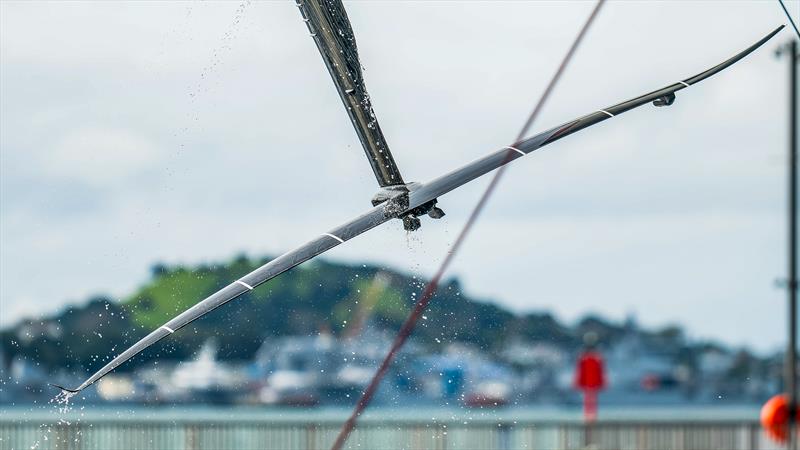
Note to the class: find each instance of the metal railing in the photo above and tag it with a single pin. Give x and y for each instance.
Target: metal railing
(207, 432)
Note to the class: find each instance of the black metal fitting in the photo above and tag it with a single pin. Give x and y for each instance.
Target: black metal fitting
(665, 100)
(411, 223)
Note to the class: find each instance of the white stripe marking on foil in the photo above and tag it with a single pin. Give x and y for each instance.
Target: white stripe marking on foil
(335, 237)
(604, 111)
(684, 83)
(516, 150)
(168, 329)
(244, 284)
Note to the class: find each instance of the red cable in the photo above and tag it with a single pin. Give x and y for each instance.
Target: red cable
(430, 289)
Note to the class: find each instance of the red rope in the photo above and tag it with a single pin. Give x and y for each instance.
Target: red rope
(430, 289)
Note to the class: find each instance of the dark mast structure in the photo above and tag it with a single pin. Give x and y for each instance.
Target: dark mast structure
(790, 369)
(330, 28)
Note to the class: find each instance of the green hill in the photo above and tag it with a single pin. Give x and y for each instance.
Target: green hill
(315, 296)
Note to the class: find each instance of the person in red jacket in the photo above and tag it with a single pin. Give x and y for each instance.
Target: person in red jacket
(590, 376)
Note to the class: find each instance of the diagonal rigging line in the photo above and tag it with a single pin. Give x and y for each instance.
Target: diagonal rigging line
(789, 16)
(430, 289)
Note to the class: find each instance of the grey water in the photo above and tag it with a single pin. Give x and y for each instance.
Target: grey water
(179, 413)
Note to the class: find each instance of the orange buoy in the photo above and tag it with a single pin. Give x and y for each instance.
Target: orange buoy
(775, 418)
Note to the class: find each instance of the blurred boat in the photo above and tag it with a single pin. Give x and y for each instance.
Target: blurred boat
(489, 394)
(206, 379)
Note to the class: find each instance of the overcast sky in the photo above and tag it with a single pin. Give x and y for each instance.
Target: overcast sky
(188, 132)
